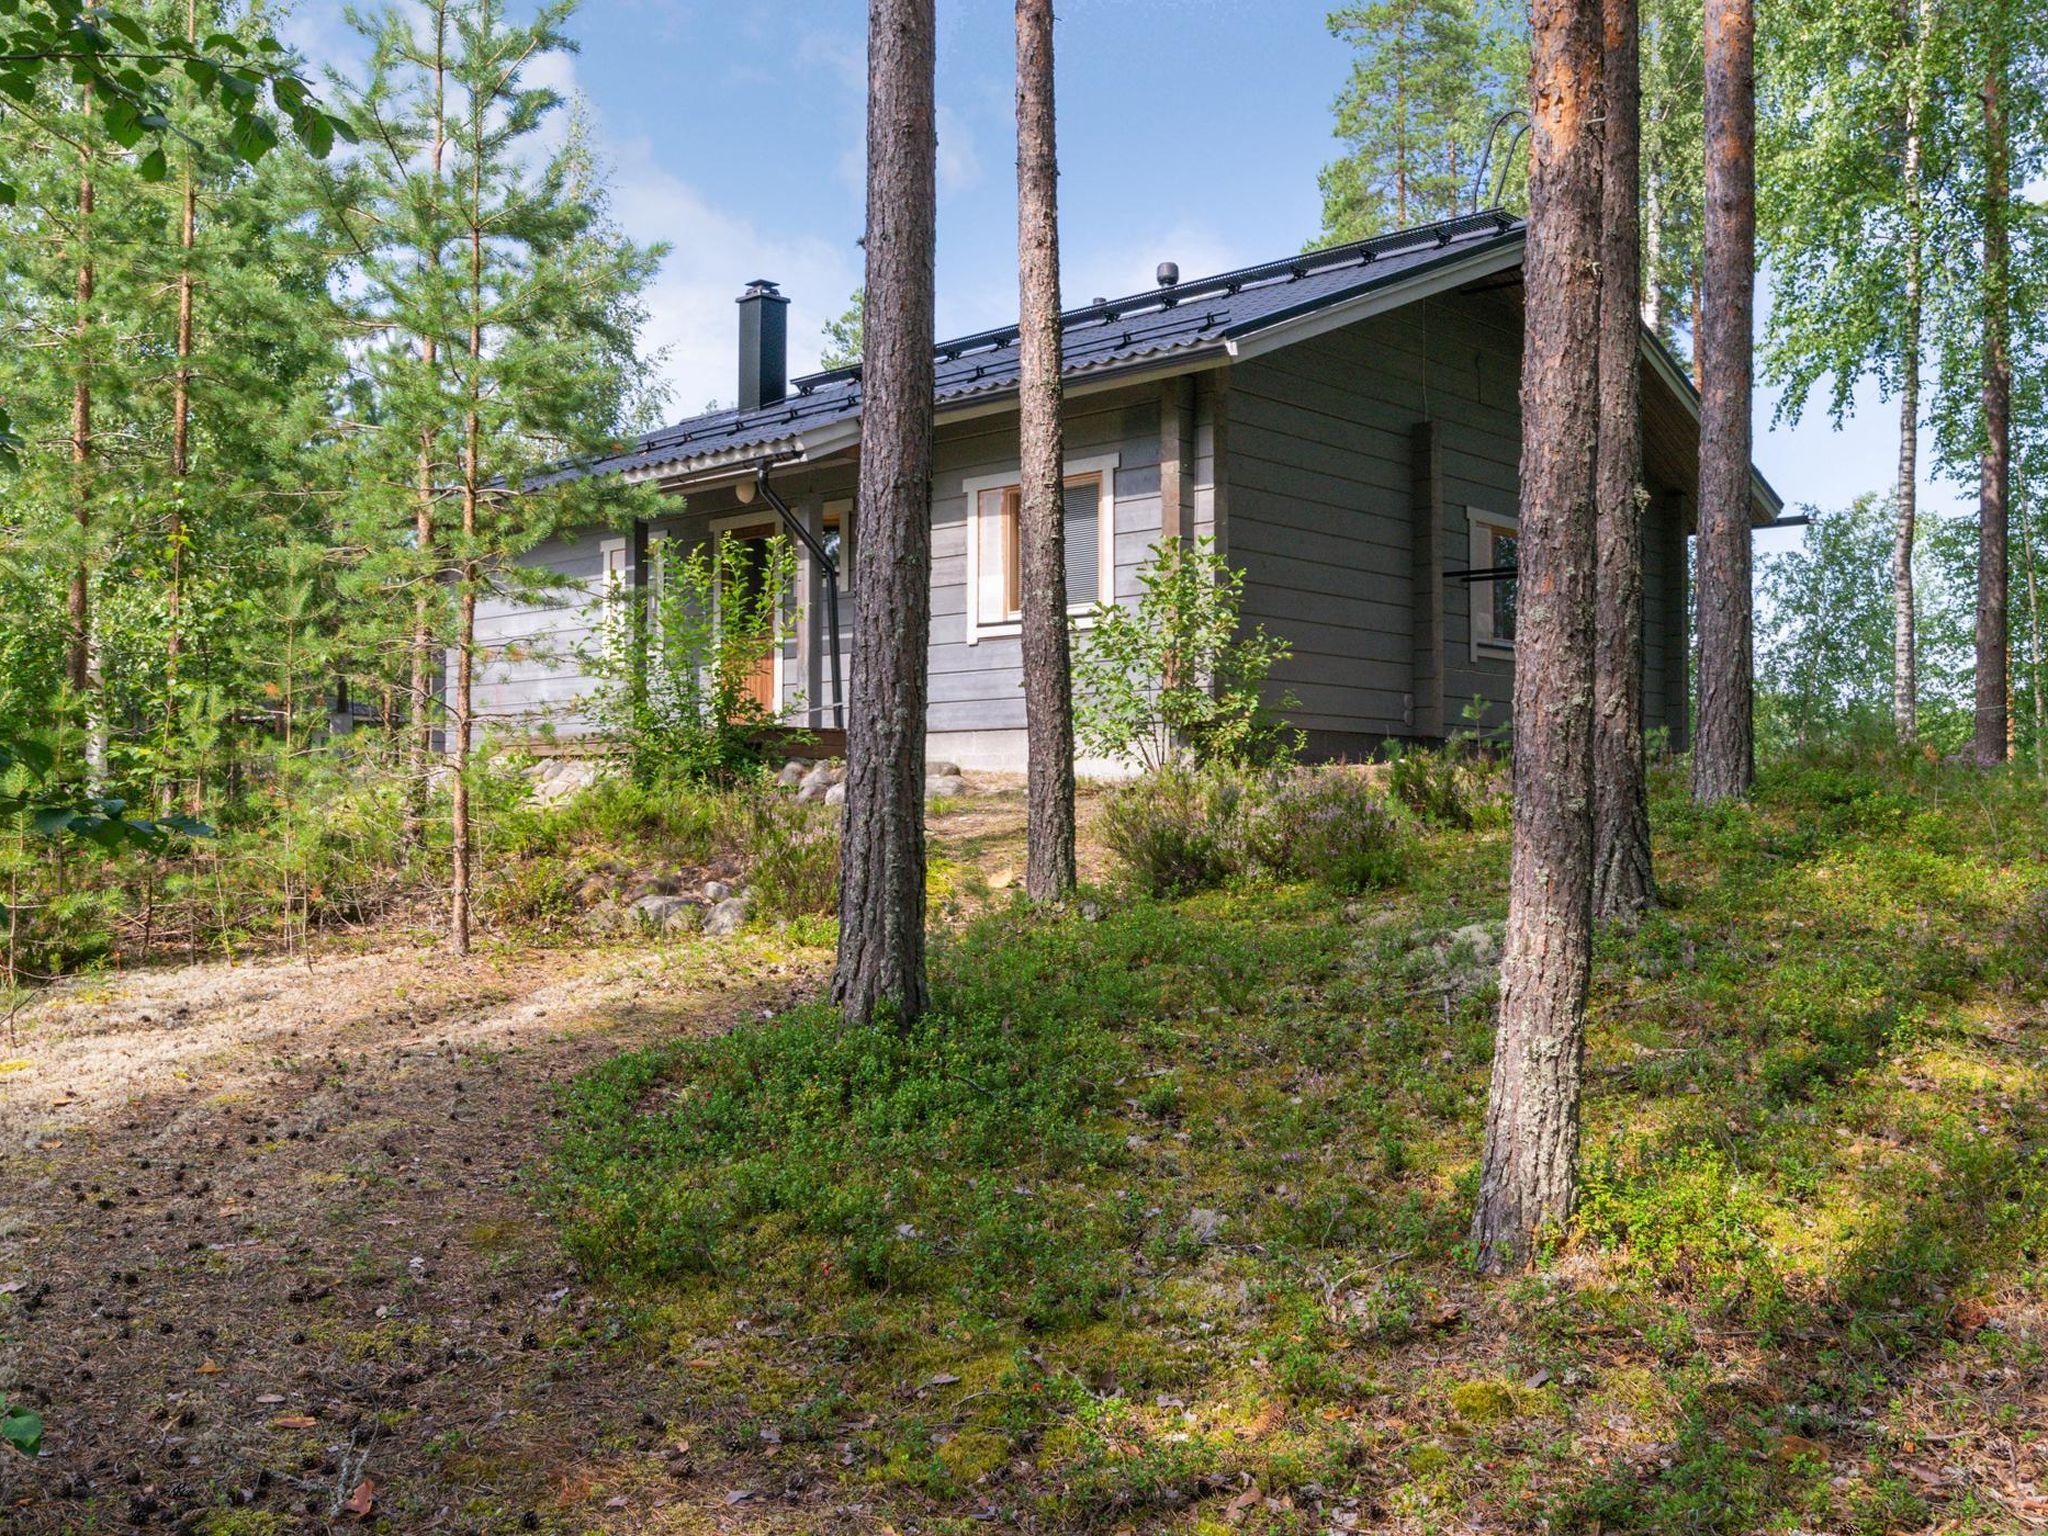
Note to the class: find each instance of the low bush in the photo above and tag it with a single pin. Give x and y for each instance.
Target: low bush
(1327, 824)
(1174, 829)
(1449, 786)
(907, 1155)
(1183, 829)
(793, 858)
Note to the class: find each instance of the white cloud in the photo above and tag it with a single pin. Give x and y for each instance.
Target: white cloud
(959, 165)
(715, 252)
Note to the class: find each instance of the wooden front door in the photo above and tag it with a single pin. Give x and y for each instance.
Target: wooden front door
(746, 568)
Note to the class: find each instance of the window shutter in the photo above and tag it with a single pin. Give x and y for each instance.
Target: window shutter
(1084, 542)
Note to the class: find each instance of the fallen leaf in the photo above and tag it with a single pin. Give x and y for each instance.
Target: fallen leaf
(1447, 1315)
(208, 1368)
(617, 1501)
(271, 1397)
(739, 1495)
(362, 1501)
(294, 1421)
(1267, 1420)
(1787, 1449)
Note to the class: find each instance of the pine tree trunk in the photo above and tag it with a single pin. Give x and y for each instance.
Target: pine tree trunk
(181, 438)
(882, 890)
(1622, 878)
(2029, 538)
(1041, 533)
(1529, 1167)
(82, 650)
(413, 833)
(468, 572)
(1995, 467)
(1905, 643)
(1723, 758)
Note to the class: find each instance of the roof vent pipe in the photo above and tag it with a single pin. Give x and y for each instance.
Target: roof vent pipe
(1168, 273)
(764, 345)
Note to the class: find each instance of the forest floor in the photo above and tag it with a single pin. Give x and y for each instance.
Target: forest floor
(372, 1240)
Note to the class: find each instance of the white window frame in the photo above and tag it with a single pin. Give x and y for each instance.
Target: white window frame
(723, 525)
(614, 565)
(1103, 465)
(1483, 524)
(841, 507)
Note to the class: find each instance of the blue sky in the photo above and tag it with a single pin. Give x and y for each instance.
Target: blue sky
(1190, 130)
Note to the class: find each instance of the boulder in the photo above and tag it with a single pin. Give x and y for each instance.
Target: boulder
(836, 795)
(716, 891)
(942, 769)
(817, 781)
(605, 919)
(729, 916)
(792, 773)
(1204, 1225)
(949, 786)
(686, 919)
(654, 911)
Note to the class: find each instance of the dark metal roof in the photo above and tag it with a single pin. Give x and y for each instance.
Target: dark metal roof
(1185, 319)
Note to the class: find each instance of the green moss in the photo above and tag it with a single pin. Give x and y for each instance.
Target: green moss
(1484, 1401)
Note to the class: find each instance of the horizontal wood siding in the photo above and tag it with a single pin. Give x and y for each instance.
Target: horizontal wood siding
(1321, 472)
(529, 668)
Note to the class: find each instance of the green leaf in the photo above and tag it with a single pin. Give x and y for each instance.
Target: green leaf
(153, 166)
(129, 28)
(251, 138)
(123, 120)
(52, 820)
(23, 1430)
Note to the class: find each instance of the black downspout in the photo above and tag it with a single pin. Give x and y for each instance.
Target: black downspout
(831, 569)
(641, 630)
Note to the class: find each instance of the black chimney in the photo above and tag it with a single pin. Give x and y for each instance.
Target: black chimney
(764, 345)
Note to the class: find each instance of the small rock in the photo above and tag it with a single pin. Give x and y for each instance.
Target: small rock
(817, 780)
(607, 917)
(1091, 911)
(1204, 1225)
(729, 916)
(716, 891)
(653, 911)
(948, 786)
(942, 770)
(792, 773)
(836, 795)
(1002, 879)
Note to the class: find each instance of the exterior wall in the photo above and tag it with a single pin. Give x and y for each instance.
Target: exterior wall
(532, 646)
(977, 700)
(1317, 492)
(1321, 474)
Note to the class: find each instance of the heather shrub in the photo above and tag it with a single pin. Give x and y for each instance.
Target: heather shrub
(1175, 829)
(793, 858)
(1327, 824)
(1182, 828)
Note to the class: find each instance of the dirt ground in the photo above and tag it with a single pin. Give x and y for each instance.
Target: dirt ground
(270, 1261)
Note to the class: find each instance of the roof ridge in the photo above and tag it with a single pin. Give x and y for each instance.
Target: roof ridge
(1304, 264)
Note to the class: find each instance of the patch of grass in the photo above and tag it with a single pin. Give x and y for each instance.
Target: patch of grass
(1158, 1212)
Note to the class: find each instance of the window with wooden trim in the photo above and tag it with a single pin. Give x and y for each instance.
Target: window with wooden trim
(995, 567)
(837, 533)
(1495, 544)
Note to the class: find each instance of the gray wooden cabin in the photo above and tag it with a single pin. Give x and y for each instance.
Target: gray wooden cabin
(1344, 423)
